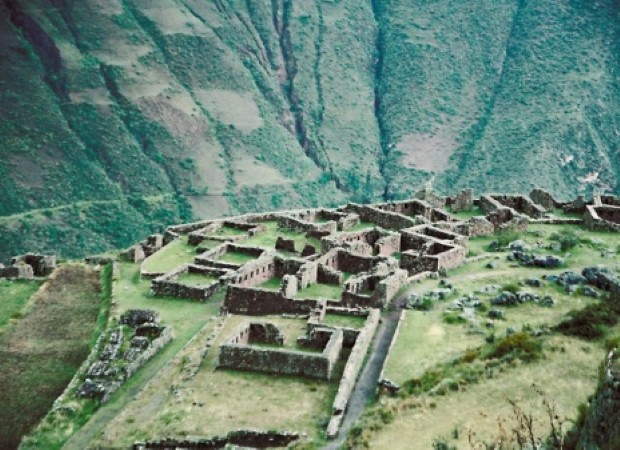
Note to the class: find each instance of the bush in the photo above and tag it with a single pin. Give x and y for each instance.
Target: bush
(568, 239)
(453, 318)
(511, 287)
(591, 322)
(518, 345)
(504, 238)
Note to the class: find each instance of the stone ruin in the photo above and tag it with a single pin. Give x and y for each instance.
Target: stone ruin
(405, 241)
(29, 266)
(241, 353)
(122, 351)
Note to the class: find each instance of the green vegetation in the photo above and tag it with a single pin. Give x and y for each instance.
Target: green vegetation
(267, 239)
(272, 283)
(170, 256)
(319, 290)
(235, 257)
(593, 321)
(196, 279)
(42, 350)
(15, 295)
(338, 320)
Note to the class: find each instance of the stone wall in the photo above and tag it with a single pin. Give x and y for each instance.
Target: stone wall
(261, 302)
(19, 271)
(242, 438)
(463, 201)
(544, 199)
(417, 238)
(381, 217)
(602, 218)
(169, 285)
(42, 265)
(328, 275)
(346, 261)
(434, 258)
(299, 224)
(351, 372)
(520, 203)
(283, 361)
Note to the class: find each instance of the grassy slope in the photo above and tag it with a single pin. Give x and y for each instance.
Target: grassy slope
(41, 352)
(15, 295)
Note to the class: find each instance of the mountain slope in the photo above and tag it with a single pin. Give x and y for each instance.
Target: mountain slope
(155, 111)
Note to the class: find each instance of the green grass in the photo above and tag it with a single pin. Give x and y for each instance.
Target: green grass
(196, 279)
(318, 290)
(234, 257)
(465, 215)
(226, 231)
(267, 239)
(42, 351)
(171, 256)
(15, 295)
(272, 283)
(338, 320)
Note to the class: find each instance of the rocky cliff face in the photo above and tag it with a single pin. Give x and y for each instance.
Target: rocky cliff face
(602, 426)
(117, 117)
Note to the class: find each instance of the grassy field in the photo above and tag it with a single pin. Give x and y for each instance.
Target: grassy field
(15, 295)
(319, 290)
(41, 351)
(427, 342)
(170, 256)
(267, 239)
(272, 283)
(186, 317)
(217, 401)
(234, 257)
(567, 375)
(337, 320)
(196, 279)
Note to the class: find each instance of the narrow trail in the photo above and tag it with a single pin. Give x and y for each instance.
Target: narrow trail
(366, 385)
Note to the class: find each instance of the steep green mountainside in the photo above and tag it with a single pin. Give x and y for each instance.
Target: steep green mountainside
(120, 116)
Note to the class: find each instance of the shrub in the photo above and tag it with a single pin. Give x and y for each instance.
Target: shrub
(452, 318)
(591, 322)
(504, 238)
(511, 287)
(567, 238)
(518, 345)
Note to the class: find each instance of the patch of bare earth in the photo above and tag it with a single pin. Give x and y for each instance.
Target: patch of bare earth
(429, 152)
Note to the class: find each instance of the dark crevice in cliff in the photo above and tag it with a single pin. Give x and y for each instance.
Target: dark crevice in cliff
(478, 130)
(385, 149)
(282, 10)
(44, 47)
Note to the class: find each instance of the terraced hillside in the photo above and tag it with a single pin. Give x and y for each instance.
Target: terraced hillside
(131, 114)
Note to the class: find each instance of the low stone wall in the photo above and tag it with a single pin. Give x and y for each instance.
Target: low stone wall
(435, 258)
(243, 438)
(283, 361)
(382, 379)
(168, 284)
(351, 372)
(19, 271)
(602, 218)
(260, 302)
(383, 218)
(327, 275)
(299, 224)
(519, 203)
(463, 201)
(544, 199)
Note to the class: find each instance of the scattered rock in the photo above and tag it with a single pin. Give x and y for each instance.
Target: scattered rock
(492, 265)
(495, 314)
(590, 292)
(533, 282)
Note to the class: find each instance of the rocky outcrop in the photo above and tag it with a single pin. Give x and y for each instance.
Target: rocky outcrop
(601, 430)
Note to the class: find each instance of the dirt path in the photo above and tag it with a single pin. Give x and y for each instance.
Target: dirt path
(366, 385)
